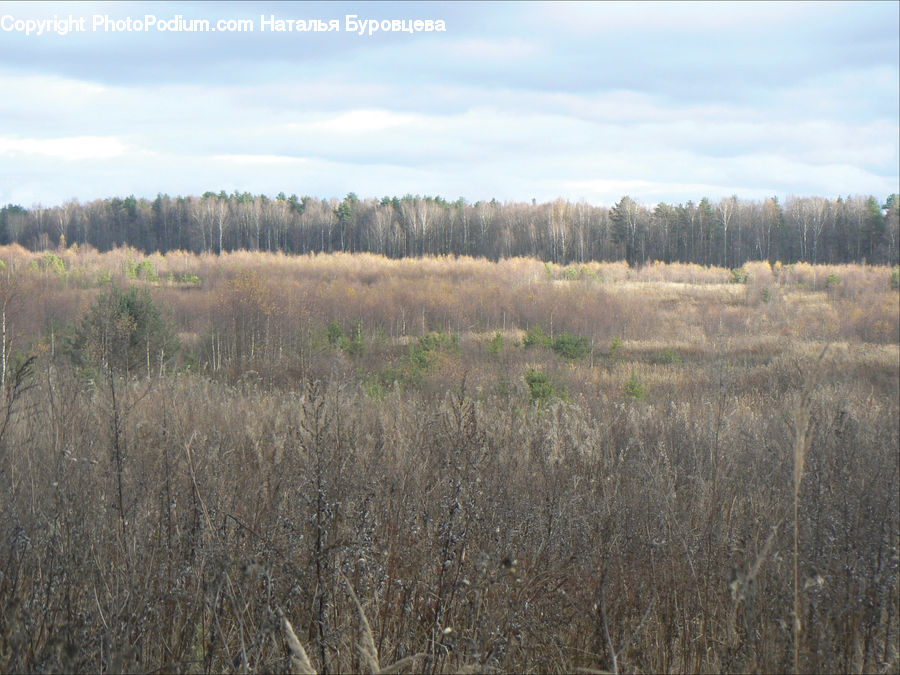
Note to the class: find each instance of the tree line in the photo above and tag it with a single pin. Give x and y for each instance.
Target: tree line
(724, 233)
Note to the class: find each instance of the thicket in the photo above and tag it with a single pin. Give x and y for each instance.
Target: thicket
(442, 496)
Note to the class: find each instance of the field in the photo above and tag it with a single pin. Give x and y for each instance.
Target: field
(446, 465)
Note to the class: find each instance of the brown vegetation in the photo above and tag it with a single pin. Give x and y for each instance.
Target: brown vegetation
(449, 464)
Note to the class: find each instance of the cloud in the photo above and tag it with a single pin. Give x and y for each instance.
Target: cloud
(514, 101)
(71, 149)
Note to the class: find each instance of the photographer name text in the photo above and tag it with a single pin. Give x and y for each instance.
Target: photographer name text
(151, 23)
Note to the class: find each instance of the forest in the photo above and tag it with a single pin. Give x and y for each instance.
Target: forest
(727, 233)
(352, 461)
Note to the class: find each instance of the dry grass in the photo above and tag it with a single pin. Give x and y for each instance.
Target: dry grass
(701, 474)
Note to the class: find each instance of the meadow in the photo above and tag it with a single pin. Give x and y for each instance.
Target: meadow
(257, 462)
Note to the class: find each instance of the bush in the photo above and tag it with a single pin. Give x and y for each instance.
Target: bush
(633, 388)
(131, 269)
(334, 333)
(495, 348)
(615, 349)
(667, 356)
(49, 262)
(189, 278)
(536, 337)
(356, 345)
(148, 271)
(539, 386)
(570, 346)
(123, 332)
(425, 352)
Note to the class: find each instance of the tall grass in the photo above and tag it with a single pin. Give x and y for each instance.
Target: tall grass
(281, 503)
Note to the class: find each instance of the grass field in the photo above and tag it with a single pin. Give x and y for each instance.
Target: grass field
(446, 464)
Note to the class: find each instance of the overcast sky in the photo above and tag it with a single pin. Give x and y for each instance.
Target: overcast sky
(514, 101)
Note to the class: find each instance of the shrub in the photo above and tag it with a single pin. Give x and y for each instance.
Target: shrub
(539, 386)
(439, 340)
(615, 349)
(49, 262)
(634, 389)
(131, 269)
(570, 346)
(495, 348)
(667, 356)
(334, 333)
(536, 337)
(425, 352)
(356, 345)
(147, 270)
(54, 263)
(122, 332)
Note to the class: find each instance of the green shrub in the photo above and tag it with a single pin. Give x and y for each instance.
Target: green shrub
(667, 356)
(439, 340)
(49, 262)
(334, 333)
(356, 345)
(425, 352)
(54, 263)
(131, 269)
(570, 346)
(895, 277)
(738, 276)
(536, 337)
(184, 278)
(148, 271)
(495, 347)
(615, 349)
(539, 386)
(121, 331)
(374, 386)
(634, 389)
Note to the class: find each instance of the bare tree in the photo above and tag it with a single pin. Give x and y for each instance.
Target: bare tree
(727, 209)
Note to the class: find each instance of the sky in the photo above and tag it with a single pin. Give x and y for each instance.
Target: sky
(514, 101)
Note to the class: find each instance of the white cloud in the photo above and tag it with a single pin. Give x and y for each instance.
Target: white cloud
(258, 160)
(357, 122)
(73, 148)
(505, 50)
(537, 120)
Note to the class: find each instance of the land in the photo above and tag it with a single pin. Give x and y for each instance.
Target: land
(231, 462)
